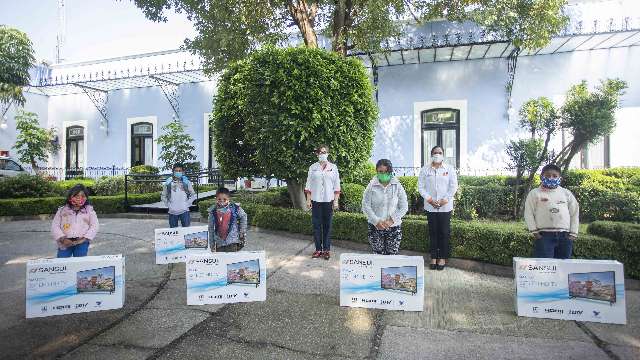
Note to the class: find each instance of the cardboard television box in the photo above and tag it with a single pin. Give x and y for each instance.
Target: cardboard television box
(391, 282)
(74, 285)
(572, 289)
(221, 278)
(174, 244)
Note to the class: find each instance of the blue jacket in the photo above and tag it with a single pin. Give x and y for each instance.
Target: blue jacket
(237, 226)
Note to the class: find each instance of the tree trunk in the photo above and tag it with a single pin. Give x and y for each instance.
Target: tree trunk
(304, 17)
(34, 165)
(341, 23)
(516, 195)
(296, 193)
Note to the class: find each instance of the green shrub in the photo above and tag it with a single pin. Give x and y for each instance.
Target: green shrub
(144, 169)
(351, 197)
(26, 186)
(597, 203)
(109, 185)
(361, 175)
(63, 186)
(410, 185)
(49, 205)
(627, 236)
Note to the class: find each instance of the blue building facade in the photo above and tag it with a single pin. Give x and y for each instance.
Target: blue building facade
(446, 84)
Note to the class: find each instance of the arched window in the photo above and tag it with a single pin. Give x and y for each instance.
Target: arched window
(441, 127)
(75, 151)
(142, 144)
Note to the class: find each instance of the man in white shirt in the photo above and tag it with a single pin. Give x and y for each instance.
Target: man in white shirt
(322, 191)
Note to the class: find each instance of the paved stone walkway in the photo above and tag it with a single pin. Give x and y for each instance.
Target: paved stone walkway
(467, 315)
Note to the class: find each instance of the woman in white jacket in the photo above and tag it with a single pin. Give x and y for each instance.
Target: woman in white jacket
(437, 184)
(385, 203)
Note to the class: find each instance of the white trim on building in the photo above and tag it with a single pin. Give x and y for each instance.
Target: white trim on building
(63, 143)
(134, 120)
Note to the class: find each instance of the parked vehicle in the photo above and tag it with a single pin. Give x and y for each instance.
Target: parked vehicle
(10, 167)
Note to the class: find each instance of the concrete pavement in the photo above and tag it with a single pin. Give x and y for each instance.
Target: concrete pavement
(466, 316)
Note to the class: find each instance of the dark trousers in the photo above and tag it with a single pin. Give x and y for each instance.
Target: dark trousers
(553, 244)
(321, 216)
(185, 219)
(439, 234)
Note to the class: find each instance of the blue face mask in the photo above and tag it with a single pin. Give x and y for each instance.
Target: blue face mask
(177, 174)
(550, 183)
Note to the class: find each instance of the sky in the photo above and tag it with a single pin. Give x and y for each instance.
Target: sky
(96, 29)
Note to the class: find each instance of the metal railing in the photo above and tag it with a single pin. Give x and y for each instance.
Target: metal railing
(415, 171)
(93, 172)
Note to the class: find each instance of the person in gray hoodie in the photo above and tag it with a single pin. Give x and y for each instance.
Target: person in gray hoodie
(177, 193)
(385, 203)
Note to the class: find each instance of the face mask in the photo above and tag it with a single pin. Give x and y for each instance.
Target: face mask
(384, 177)
(550, 183)
(323, 157)
(223, 205)
(437, 158)
(77, 201)
(177, 174)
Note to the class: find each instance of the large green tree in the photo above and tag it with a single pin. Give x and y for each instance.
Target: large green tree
(16, 57)
(33, 143)
(229, 30)
(276, 106)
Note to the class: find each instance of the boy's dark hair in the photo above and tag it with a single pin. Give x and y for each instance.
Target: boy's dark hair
(178, 165)
(223, 191)
(435, 147)
(386, 163)
(75, 190)
(551, 167)
(320, 146)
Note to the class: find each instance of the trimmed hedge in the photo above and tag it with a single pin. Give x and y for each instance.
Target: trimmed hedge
(491, 242)
(626, 236)
(351, 197)
(49, 205)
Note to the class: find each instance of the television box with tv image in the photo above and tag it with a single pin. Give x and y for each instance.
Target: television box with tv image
(244, 272)
(197, 240)
(593, 285)
(403, 278)
(99, 280)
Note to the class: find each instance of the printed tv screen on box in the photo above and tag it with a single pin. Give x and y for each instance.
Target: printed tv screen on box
(382, 281)
(219, 278)
(73, 285)
(173, 244)
(583, 290)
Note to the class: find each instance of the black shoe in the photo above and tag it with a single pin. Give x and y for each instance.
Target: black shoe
(440, 267)
(433, 266)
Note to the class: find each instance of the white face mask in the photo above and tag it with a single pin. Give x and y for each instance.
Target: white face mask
(323, 157)
(437, 158)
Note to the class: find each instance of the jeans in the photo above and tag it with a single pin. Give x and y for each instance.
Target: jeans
(439, 234)
(185, 219)
(553, 244)
(75, 250)
(321, 216)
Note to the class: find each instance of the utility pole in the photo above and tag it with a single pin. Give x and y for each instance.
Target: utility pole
(61, 37)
